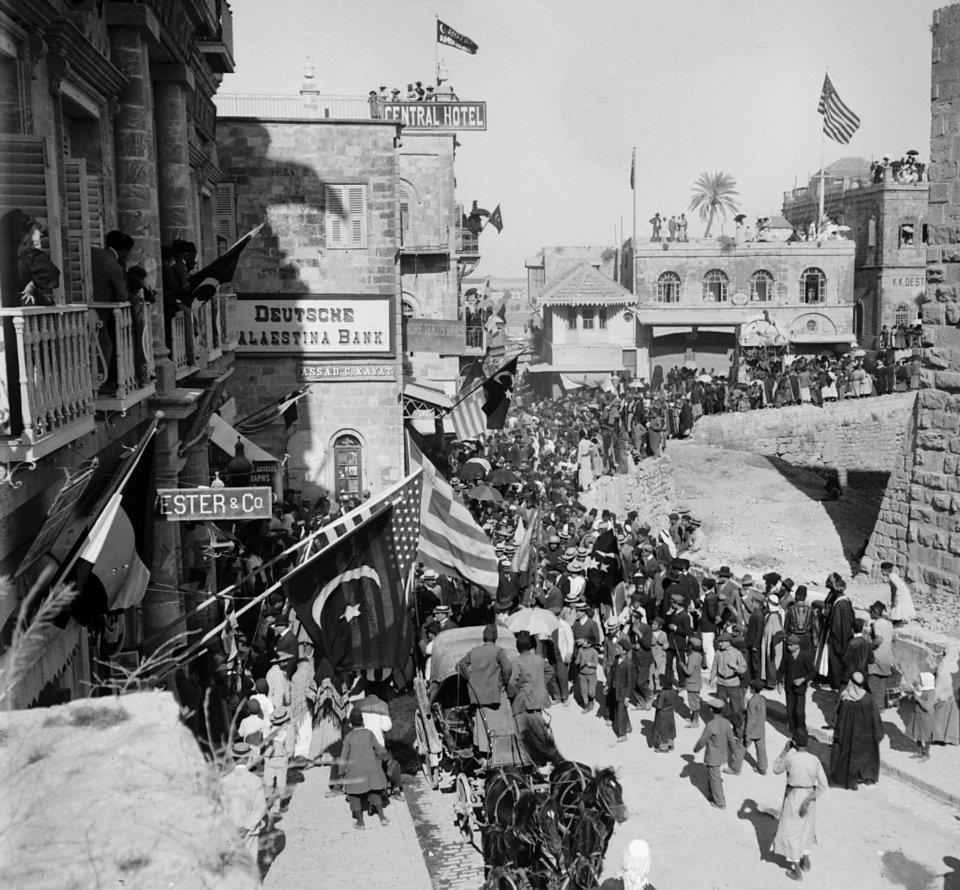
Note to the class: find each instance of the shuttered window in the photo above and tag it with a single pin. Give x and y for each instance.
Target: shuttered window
(95, 210)
(345, 215)
(28, 183)
(225, 215)
(78, 231)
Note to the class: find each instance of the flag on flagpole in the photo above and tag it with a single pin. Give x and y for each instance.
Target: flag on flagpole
(285, 407)
(524, 541)
(839, 121)
(633, 169)
(467, 415)
(351, 595)
(451, 542)
(205, 283)
(448, 37)
(112, 569)
(498, 389)
(496, 219)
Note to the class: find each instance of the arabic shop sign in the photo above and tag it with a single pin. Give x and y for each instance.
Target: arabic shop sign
(200, 504)
(332, 325)
(438, 115)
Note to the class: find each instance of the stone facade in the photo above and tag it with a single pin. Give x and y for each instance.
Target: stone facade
(551, 262)
(888, 223)
(281, 170)
(650, 490)
(921, 509)
(855, 435)
(681, 317)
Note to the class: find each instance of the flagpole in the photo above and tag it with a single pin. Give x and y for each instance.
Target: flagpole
(823, 140)
(633, 240)
(436, 42)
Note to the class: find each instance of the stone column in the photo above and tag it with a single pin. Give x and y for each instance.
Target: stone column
(163, 602)
(175, 183)
(138, 211)
(194, 538)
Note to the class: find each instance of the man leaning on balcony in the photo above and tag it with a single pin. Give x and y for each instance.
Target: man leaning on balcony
(110, 286)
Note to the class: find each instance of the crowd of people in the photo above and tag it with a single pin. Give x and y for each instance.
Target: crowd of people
(905, 169)
(673, 228)
(415, 92)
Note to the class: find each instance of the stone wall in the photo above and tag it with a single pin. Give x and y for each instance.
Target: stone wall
(649, 490)
(855, 436)
(922, 504)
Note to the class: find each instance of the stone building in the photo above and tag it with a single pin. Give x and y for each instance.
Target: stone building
(106, 122)
(696, 301)
(550, 262)
(589, 331)
(918, 528)
(888, 222)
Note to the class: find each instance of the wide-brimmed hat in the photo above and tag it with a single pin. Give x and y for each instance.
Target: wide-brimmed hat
(580, 605)
(575, 566)
(878, 607)
(583, 552)
(569, 554)
(279, 715)
(746, 580)
(442, 607)
(611, 623)
(503, 602)
(430, 575)
(571, 599)
(724, 572)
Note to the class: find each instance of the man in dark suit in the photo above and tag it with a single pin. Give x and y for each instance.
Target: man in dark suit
(107, 268)
(527, 686)
(859, 653)
(797, 674)
(486, 668)
(679, 628)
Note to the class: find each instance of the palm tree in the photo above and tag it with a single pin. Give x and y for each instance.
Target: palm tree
(713, 193)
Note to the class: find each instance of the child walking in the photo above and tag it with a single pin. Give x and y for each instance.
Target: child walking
(755, 726)
(664, 721)
(919, 724)
(693, 680)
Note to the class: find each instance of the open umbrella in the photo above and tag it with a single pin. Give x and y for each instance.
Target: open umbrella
(912, 153)
(475, 468)
(537, 622)
(502, 476)
(485, 493)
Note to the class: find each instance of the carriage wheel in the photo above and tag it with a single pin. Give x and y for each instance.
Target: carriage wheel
(430, 771)
(464, 806)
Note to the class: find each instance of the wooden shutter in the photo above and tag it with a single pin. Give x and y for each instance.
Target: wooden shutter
(28, 182)
(358, 215)
(335, 215)
(95, 210)
(225, 212)
(78, 228)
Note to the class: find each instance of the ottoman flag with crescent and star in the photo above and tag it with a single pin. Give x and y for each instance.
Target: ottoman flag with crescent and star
(351, 595)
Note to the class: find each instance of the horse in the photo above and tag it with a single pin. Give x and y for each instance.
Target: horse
(580, 790)
(584, 849)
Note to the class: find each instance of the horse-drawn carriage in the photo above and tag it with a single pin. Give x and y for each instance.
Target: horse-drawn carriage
(543, 822)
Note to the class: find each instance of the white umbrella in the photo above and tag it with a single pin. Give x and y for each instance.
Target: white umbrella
(537, 622)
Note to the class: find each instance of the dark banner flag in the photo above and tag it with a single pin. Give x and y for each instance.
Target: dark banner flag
(205, 283)
(498, 389)
(447, 36)
(351, 596)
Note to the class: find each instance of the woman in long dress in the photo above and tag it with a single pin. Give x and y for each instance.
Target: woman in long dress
(902, 609)
(806, 781)
(584, 461)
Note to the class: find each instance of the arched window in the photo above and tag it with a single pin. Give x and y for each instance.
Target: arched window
(348, 466)
(715, 285)
(668, 288)
(813, 286)
(761, 286)
(901, 315)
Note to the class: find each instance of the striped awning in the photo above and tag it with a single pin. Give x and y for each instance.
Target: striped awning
(584, 300)
(730, 329)
(670, 330)
(414, 390)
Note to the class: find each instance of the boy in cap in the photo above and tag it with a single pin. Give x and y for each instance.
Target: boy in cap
(277, 751)
(755, 726)
(719, 745)
(693, 680)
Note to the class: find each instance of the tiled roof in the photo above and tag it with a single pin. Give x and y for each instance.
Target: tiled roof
(846, 168)
(582, 285)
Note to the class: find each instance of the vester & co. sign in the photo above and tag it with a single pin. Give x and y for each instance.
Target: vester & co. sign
(331, 325)
(199, 504)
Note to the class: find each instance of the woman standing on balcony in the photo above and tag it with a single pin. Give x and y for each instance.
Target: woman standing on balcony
(39, 277)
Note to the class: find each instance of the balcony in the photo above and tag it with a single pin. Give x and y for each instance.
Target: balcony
(114, 348)
(476, 340)
(217, 48)
(182, 345)
(46, 401)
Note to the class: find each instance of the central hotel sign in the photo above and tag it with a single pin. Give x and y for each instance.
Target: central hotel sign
(437, 115)
(328, 325)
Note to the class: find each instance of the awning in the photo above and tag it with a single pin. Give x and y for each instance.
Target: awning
(718, 329)
(669, 330)
(598, 300)
(823, 337)
(225, 438)
(428, 395)
(592, 379)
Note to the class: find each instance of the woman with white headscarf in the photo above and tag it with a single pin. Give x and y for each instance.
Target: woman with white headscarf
(635, 870)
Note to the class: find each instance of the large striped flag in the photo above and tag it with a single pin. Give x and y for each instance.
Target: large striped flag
(451, 542)
(839, 122)
(351, 594)
(467, 415)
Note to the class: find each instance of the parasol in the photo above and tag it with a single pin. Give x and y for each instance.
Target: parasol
(451, 645)
(485, 493)
(537, 622)
(502, 476)
(475, 468)
(912, 153)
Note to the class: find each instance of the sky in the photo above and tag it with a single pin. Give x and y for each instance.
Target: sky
(572, 87)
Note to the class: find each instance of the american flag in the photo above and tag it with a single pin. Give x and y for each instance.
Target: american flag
(451, 542)
(351, 592)
(839, 122)
(467, 414)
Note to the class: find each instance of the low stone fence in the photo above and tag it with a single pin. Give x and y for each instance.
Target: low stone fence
(649, 490)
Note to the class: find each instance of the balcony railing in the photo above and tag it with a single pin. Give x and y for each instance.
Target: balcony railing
(46, 400)
(285, 106)
(121, 355)
(476, 336)
(468, 244)
(181, 345)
